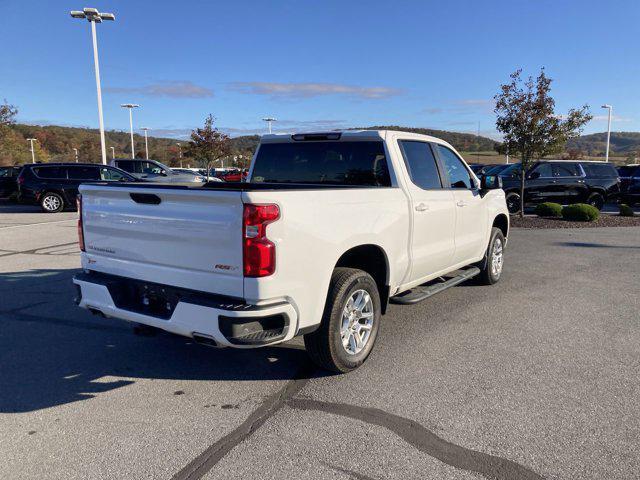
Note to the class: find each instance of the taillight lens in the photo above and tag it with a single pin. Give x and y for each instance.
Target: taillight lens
(20, 179)
(80, 229)
(259, 253)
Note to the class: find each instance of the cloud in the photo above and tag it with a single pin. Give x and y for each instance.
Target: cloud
(309, 90)
(463, 107)
(172, 89)
(482, 102)
(614, 118)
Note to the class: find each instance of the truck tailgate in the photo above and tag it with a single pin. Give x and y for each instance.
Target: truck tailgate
(190, 238)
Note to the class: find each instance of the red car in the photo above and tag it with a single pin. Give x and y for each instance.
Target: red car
(234, 176)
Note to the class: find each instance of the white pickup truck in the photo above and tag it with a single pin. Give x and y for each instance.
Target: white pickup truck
(328, 230)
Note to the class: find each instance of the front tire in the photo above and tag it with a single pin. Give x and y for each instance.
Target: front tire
(350, 322)
(491, 271)
(513, 202)
(596, 200)
(51, 203)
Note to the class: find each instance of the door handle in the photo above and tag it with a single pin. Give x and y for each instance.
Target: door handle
(421, 207)
(461, 203)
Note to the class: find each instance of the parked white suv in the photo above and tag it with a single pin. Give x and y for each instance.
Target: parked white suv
(329, 228)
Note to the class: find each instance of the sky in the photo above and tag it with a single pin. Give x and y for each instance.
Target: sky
(316, 65)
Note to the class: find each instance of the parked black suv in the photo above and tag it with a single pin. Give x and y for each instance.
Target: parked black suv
(629, 184)
(564, 182)
(54, 186)
(8, 181)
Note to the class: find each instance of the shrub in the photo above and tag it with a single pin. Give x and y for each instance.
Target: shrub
(549, 209)
(580, 212)
(626, 210)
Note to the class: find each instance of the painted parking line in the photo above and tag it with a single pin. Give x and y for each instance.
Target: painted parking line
(39, 223)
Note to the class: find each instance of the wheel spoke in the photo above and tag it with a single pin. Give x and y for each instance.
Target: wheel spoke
(352, 343)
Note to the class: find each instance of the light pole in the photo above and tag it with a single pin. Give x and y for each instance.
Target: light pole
(131, 106)
(113, 152)
(610, 108)
(180, 153)
(33, 155)
(93, 16)
(146, 143)
(75, 151)
(269, 120)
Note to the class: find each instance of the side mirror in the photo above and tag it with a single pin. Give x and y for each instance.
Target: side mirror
(534, 175)
(163, 173)
(491, 182)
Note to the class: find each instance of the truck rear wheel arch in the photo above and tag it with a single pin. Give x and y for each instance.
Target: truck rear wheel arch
(373, 260)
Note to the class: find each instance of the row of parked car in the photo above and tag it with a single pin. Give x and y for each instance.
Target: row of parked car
(54, 186)
(567, 182)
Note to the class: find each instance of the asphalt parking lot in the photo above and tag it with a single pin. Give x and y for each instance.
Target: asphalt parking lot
(536, 377)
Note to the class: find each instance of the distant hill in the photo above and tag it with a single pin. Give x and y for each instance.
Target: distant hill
(56, 143)
(465, 142)
(622, 143)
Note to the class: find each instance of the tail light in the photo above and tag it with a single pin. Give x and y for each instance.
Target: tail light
(259, 253)
(20, 179)
(80, 229)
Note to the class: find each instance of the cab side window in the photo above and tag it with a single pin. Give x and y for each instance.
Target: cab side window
(111, 175)
(458, 174)
(421, 164)
(130, 166)
(566, 170)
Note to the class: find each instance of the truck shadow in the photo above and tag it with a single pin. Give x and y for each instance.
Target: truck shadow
(53, 353)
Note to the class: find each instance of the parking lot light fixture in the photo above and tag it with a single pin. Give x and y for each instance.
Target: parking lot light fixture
(93, 16)
(269, 121)
(75, 152)
(610, 108)
(33, 155)
(131, 106)
(146, 143)
(113, 152)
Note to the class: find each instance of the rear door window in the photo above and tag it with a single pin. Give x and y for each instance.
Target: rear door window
(566, 170)
(84, 173)
(421, 164)
(54, 173)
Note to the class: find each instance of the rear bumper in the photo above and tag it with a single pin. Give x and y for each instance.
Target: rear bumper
(212, 319)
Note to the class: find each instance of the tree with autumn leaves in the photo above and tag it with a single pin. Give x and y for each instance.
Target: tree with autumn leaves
(530, 127)
(208, 144)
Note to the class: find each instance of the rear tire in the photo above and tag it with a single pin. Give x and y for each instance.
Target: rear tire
(51, 203)
(491, 271)
(350, 322)
(596, 200)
